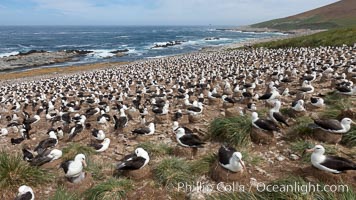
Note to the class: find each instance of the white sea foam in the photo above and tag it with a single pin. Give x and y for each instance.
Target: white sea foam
(102, 53)
(8, 54)
(73, 45)
(122, 36)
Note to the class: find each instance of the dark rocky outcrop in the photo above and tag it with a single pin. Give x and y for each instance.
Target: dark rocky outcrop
(79, 52)
(212, 38)
(30, 52)
(119, 51)
(36, 58)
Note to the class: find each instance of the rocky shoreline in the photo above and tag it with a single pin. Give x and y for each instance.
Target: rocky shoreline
(37, 58)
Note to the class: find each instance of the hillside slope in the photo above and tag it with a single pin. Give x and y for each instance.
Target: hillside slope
(336, 15)
(335, 37)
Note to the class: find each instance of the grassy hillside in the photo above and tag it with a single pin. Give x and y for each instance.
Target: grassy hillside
(335, 37)
(336, 15)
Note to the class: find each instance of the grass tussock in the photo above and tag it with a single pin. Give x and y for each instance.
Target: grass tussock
(203, 165)
(349, 138)
(112, 189)
(336, 103)
(235, 130)
(156, 150)
(251, 158)
(335, 37)
(301, 128)
(63, 194)
(15, 172)
(97, 168)
(73, 149)
(172, 171)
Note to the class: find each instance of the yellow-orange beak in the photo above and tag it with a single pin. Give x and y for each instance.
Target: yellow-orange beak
(84, 163)
(309, 150)
(242, 164)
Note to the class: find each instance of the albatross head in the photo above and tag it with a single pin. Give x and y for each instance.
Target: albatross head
(180, 132)
(318, 149)
(238, 157)
(24, 189)
(140, 152)
(347, 121)
(175, 125)
(81, 158)
(254, 116)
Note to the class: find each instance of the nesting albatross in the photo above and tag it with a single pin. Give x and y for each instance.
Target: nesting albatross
(334, 126)
(333, 164)
(134, 161)
(230, 159)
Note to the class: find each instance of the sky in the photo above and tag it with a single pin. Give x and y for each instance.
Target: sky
(149, 12)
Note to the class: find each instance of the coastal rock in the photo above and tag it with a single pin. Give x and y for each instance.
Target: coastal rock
(212, 38)
(31, 52)
(79, 52)
(167, 44)
(35, 58)
(119, 51)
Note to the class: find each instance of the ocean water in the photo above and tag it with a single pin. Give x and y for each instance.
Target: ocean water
(139, 40)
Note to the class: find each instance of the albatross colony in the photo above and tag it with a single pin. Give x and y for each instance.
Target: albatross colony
(43, 114)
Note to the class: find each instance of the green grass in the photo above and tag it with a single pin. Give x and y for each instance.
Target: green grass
(298, 147)
(336, 103)
(156, 150)
(250, 158)
(15, 172)
(203, 165)
(73, 149)
(62, 194)
(96, 168)
(349, 138)
(314, 23)
(234, 131)
(112, 189)
(335, 37)
(172, 171)
(301, 128)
